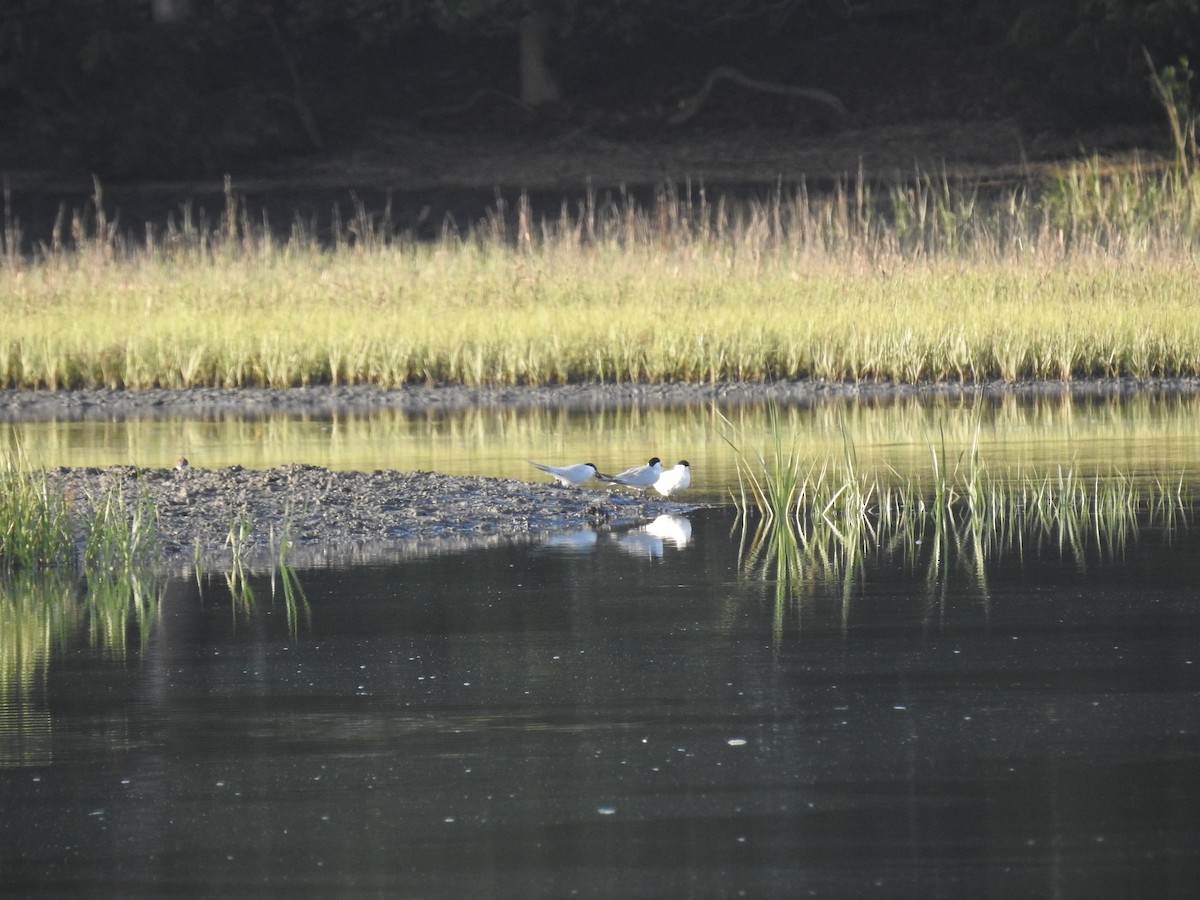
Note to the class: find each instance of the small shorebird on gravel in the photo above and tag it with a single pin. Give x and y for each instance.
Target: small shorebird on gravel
(569, 476)
(674, 480)
(639, 477)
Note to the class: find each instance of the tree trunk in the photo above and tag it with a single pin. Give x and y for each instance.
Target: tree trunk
(537, 83)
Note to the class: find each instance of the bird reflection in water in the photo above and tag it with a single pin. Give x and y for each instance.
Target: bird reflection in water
(650, 540)
(647, 540)
(581, 541)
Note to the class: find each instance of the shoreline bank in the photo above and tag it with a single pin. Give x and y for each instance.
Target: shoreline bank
(116, 404)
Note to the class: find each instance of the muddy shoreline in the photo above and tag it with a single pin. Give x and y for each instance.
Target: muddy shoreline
(48, 405)
(338, 517)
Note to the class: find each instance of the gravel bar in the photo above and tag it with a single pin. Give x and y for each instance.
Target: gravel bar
(341, 516)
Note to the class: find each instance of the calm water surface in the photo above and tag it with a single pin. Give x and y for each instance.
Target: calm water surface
(625, 714)
(1136, 435)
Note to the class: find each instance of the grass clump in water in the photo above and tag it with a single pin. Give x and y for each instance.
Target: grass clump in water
(35, 525)
(819, 524)
(94, 565)
(51, 584)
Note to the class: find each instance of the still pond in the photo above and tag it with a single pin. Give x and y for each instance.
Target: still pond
(643, 712)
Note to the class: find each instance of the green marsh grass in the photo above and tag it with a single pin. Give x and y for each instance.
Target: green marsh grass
(295, 601)
(820, 523)
(53, 588)
(1088, 273)
(35, 525)
(121, 535)
(95, 562)
(237, 578)
(236, 574)
(121, 568)
(110, 576)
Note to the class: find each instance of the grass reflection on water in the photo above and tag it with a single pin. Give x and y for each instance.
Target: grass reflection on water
(1144, 433)
(937, 485)
(822, 522)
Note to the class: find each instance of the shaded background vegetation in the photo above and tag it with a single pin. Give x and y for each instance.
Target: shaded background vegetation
(151, 88)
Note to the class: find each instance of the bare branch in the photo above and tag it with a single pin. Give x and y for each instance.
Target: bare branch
(728, 73)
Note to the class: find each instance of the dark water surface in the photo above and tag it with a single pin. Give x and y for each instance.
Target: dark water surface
(626, 716)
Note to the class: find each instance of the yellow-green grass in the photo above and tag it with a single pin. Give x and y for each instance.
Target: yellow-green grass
(38, 526)
(35, 523)
(49, 585)
(838, 519)
(820, 520)
(111, 580)
(1097, 278)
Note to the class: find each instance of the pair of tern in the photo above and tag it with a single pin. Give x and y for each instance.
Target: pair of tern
(639, 477)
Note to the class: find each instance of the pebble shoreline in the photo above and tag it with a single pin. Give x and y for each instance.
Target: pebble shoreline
(339, 516)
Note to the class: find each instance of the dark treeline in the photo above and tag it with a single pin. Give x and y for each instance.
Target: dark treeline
(132, 88)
